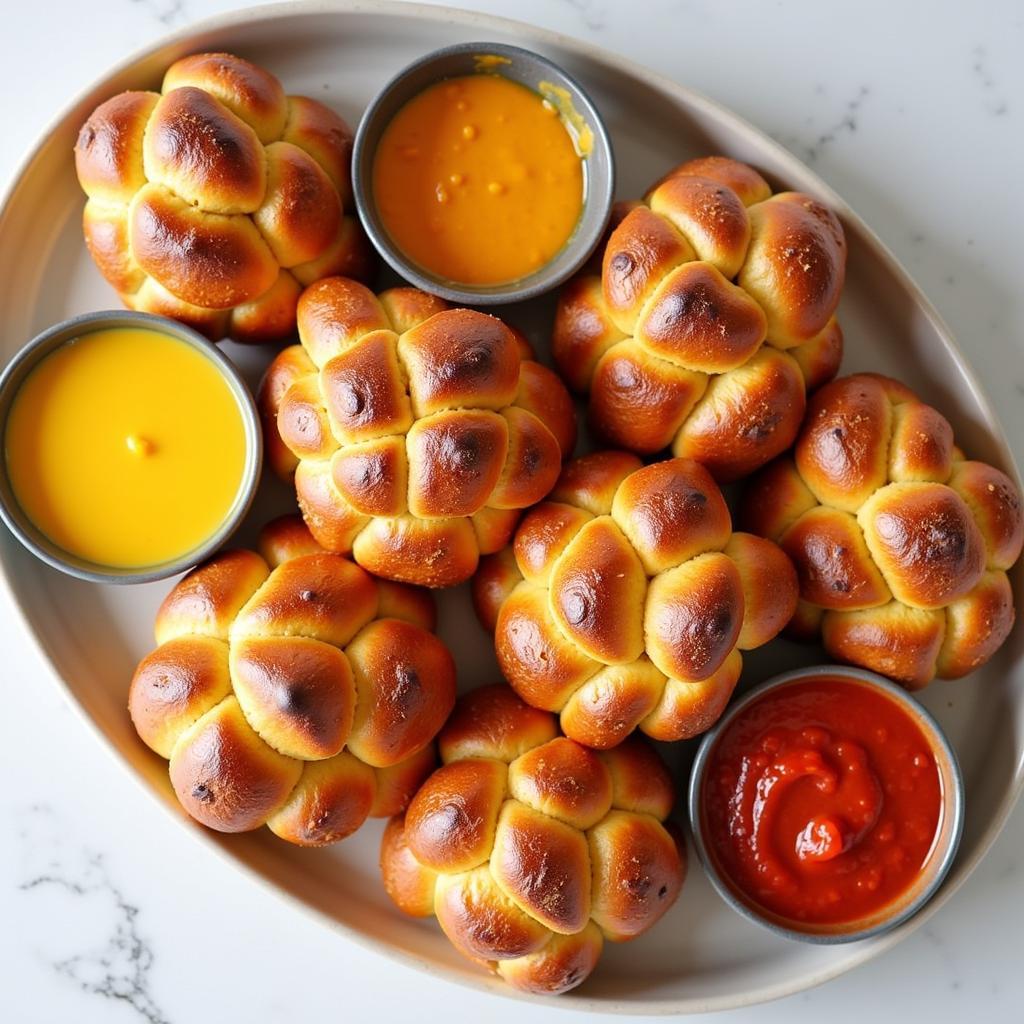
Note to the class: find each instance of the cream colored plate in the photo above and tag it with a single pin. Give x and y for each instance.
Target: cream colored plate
(702, 956)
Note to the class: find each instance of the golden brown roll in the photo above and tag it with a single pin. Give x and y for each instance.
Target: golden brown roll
(625, 599)
(216, 200)
(415, 433)
(711, 317)
(292, 689)
(901, 544)
(532, 850)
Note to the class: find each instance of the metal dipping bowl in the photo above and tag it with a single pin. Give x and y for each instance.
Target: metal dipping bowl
(943, 850)
(528, 69)
(50, 340)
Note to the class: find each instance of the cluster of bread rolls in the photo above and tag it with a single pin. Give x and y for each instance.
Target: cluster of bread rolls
(531, 849)
(294, 689)
(901, 544)
(291, 688)
(416, 433)
(626, 599)
(712, 315)
(217, 199)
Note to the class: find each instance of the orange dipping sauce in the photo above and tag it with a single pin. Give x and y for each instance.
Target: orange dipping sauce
(478, 180)
(822, 802)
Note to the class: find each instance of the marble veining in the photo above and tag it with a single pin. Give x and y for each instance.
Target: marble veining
(594, 15)
(995, 102)
(167, 12)
(902, 120)
(119, 967)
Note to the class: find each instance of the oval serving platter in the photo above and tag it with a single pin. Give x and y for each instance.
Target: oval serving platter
(702, 956)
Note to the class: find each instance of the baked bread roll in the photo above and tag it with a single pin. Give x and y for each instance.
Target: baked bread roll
(712, 315)
(626, 599)
(415, 432)
(217, 199)
(531, 849)
(292, 689)
(901, 544)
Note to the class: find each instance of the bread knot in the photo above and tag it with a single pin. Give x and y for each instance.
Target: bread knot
(531, 849)
(415, 433)
(625, 600)
(290, 688)
(901, 544)
(711, 315)
(217, 199)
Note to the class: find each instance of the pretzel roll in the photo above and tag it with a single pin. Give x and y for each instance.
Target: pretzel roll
(106, 231)
(493, 527)
(995, 505)
(900, 544)
(493, 722)
(396, 783)
(252, 94)
(225, 776)
(108, 153)
(293, 689)
(583, 326)
(530, 848)
(269, 317)
(976, 626)
(726, 429)
(410, 885)
(795, 265)
(819, 358)
(740, 177)
(212, 260)
(417, 432)
(153, 298)
(285, 538)
(174, 686)
(761, 566)
(702, 286)
(626, 599)
(290, 365)
(330, 801)
(214, 200)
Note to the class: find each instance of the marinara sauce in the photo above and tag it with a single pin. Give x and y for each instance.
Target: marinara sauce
(822, 801)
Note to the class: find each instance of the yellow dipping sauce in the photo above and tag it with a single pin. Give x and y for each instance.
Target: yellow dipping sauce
(126, 447)
(478, 180)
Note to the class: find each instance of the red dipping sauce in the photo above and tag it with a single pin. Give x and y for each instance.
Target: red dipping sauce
(822, 802)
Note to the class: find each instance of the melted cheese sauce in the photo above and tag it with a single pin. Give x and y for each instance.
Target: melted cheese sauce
(478, 180)
(126, 447)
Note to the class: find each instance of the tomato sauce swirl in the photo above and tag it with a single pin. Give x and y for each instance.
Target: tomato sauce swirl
(822, 801)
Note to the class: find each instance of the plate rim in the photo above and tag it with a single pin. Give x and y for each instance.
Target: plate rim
(694, 99)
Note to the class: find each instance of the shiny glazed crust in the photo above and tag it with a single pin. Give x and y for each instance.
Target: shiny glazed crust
(901, 544)
(416, 433)
(290, 688)
(531, 849)
(712, 315)
(626, 598)
(216, 200)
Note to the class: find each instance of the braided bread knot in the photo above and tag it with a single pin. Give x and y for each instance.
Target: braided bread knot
(217, 199)
(712, 316)
(415, 432)
(901, 544)
(625, 600)
(290, 688)
(531, 849)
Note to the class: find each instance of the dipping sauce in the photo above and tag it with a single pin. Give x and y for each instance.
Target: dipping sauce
(126, 447)
(822, 802)
(478, 180)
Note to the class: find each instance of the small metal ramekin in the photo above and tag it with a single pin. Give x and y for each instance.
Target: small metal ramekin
(32, 537)
(527, 69)
(943, 851)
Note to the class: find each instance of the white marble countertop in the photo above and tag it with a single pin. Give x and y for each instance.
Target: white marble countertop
(110, 913)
